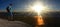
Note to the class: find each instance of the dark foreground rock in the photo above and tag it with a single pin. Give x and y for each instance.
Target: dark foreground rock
(6, 23)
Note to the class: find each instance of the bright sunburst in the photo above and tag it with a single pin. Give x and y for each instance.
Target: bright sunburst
(37, 7)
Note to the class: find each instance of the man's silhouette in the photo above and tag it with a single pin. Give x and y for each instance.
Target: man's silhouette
(9, 11)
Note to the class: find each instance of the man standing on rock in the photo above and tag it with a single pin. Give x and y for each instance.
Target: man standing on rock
(9, 11)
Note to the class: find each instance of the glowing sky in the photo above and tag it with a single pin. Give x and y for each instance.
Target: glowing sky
(23, 4)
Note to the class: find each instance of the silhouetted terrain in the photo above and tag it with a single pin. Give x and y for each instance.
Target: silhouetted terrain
(51, 19)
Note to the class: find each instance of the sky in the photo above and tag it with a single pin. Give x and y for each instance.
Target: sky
(19, 5)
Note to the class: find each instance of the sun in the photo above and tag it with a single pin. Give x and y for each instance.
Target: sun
(37, 8)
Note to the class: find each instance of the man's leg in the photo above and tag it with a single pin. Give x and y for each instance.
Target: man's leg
(10, 17)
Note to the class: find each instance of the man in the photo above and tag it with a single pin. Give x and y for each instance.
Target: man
(9, 11)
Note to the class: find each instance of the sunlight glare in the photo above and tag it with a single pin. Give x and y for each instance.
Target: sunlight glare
(37, 7)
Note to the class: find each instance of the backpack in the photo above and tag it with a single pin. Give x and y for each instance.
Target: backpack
(8, 10)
